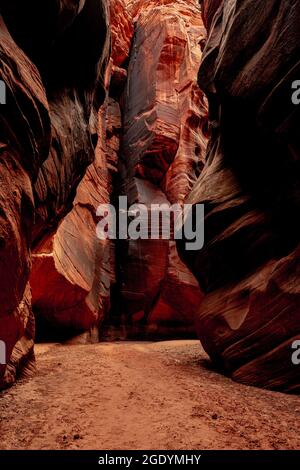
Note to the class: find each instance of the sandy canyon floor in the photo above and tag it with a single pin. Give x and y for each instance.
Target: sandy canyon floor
(141, 396)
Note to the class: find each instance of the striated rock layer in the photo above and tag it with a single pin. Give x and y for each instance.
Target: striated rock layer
(249, 267)
(74, 271)
(53, 63)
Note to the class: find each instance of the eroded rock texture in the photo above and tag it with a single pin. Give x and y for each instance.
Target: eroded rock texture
(52, 62)
(151, 148)
(249, 267)
(162, 153)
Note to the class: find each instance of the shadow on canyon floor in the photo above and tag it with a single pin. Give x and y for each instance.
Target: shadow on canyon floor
(141, 395)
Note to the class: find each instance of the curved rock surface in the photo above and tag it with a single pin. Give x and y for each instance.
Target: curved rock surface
(73, 271)
(249, 267)
(24, 143)
(53, 63)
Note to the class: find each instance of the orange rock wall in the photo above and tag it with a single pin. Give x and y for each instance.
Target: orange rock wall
(151, 148)
(162, 154)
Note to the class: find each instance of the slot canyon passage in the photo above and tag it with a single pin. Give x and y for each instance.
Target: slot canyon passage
(162, 102)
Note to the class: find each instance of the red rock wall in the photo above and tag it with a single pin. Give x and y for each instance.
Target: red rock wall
(151, 148)
(162, 153)
(46, 133)
(249, 267)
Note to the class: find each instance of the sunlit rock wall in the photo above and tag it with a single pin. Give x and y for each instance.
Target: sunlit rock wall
(162, 154)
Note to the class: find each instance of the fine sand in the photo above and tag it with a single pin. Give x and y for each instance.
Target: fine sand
(141, 396)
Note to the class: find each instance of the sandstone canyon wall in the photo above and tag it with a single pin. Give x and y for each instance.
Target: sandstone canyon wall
(53, 56)
(249, 268)
(151, 148)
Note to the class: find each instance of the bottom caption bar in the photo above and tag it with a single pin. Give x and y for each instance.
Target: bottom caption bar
(135, 459)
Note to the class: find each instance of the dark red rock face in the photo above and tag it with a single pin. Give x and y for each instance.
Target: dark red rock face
(52, 62)
(209, 9)
(24, 142)
(249, 267)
